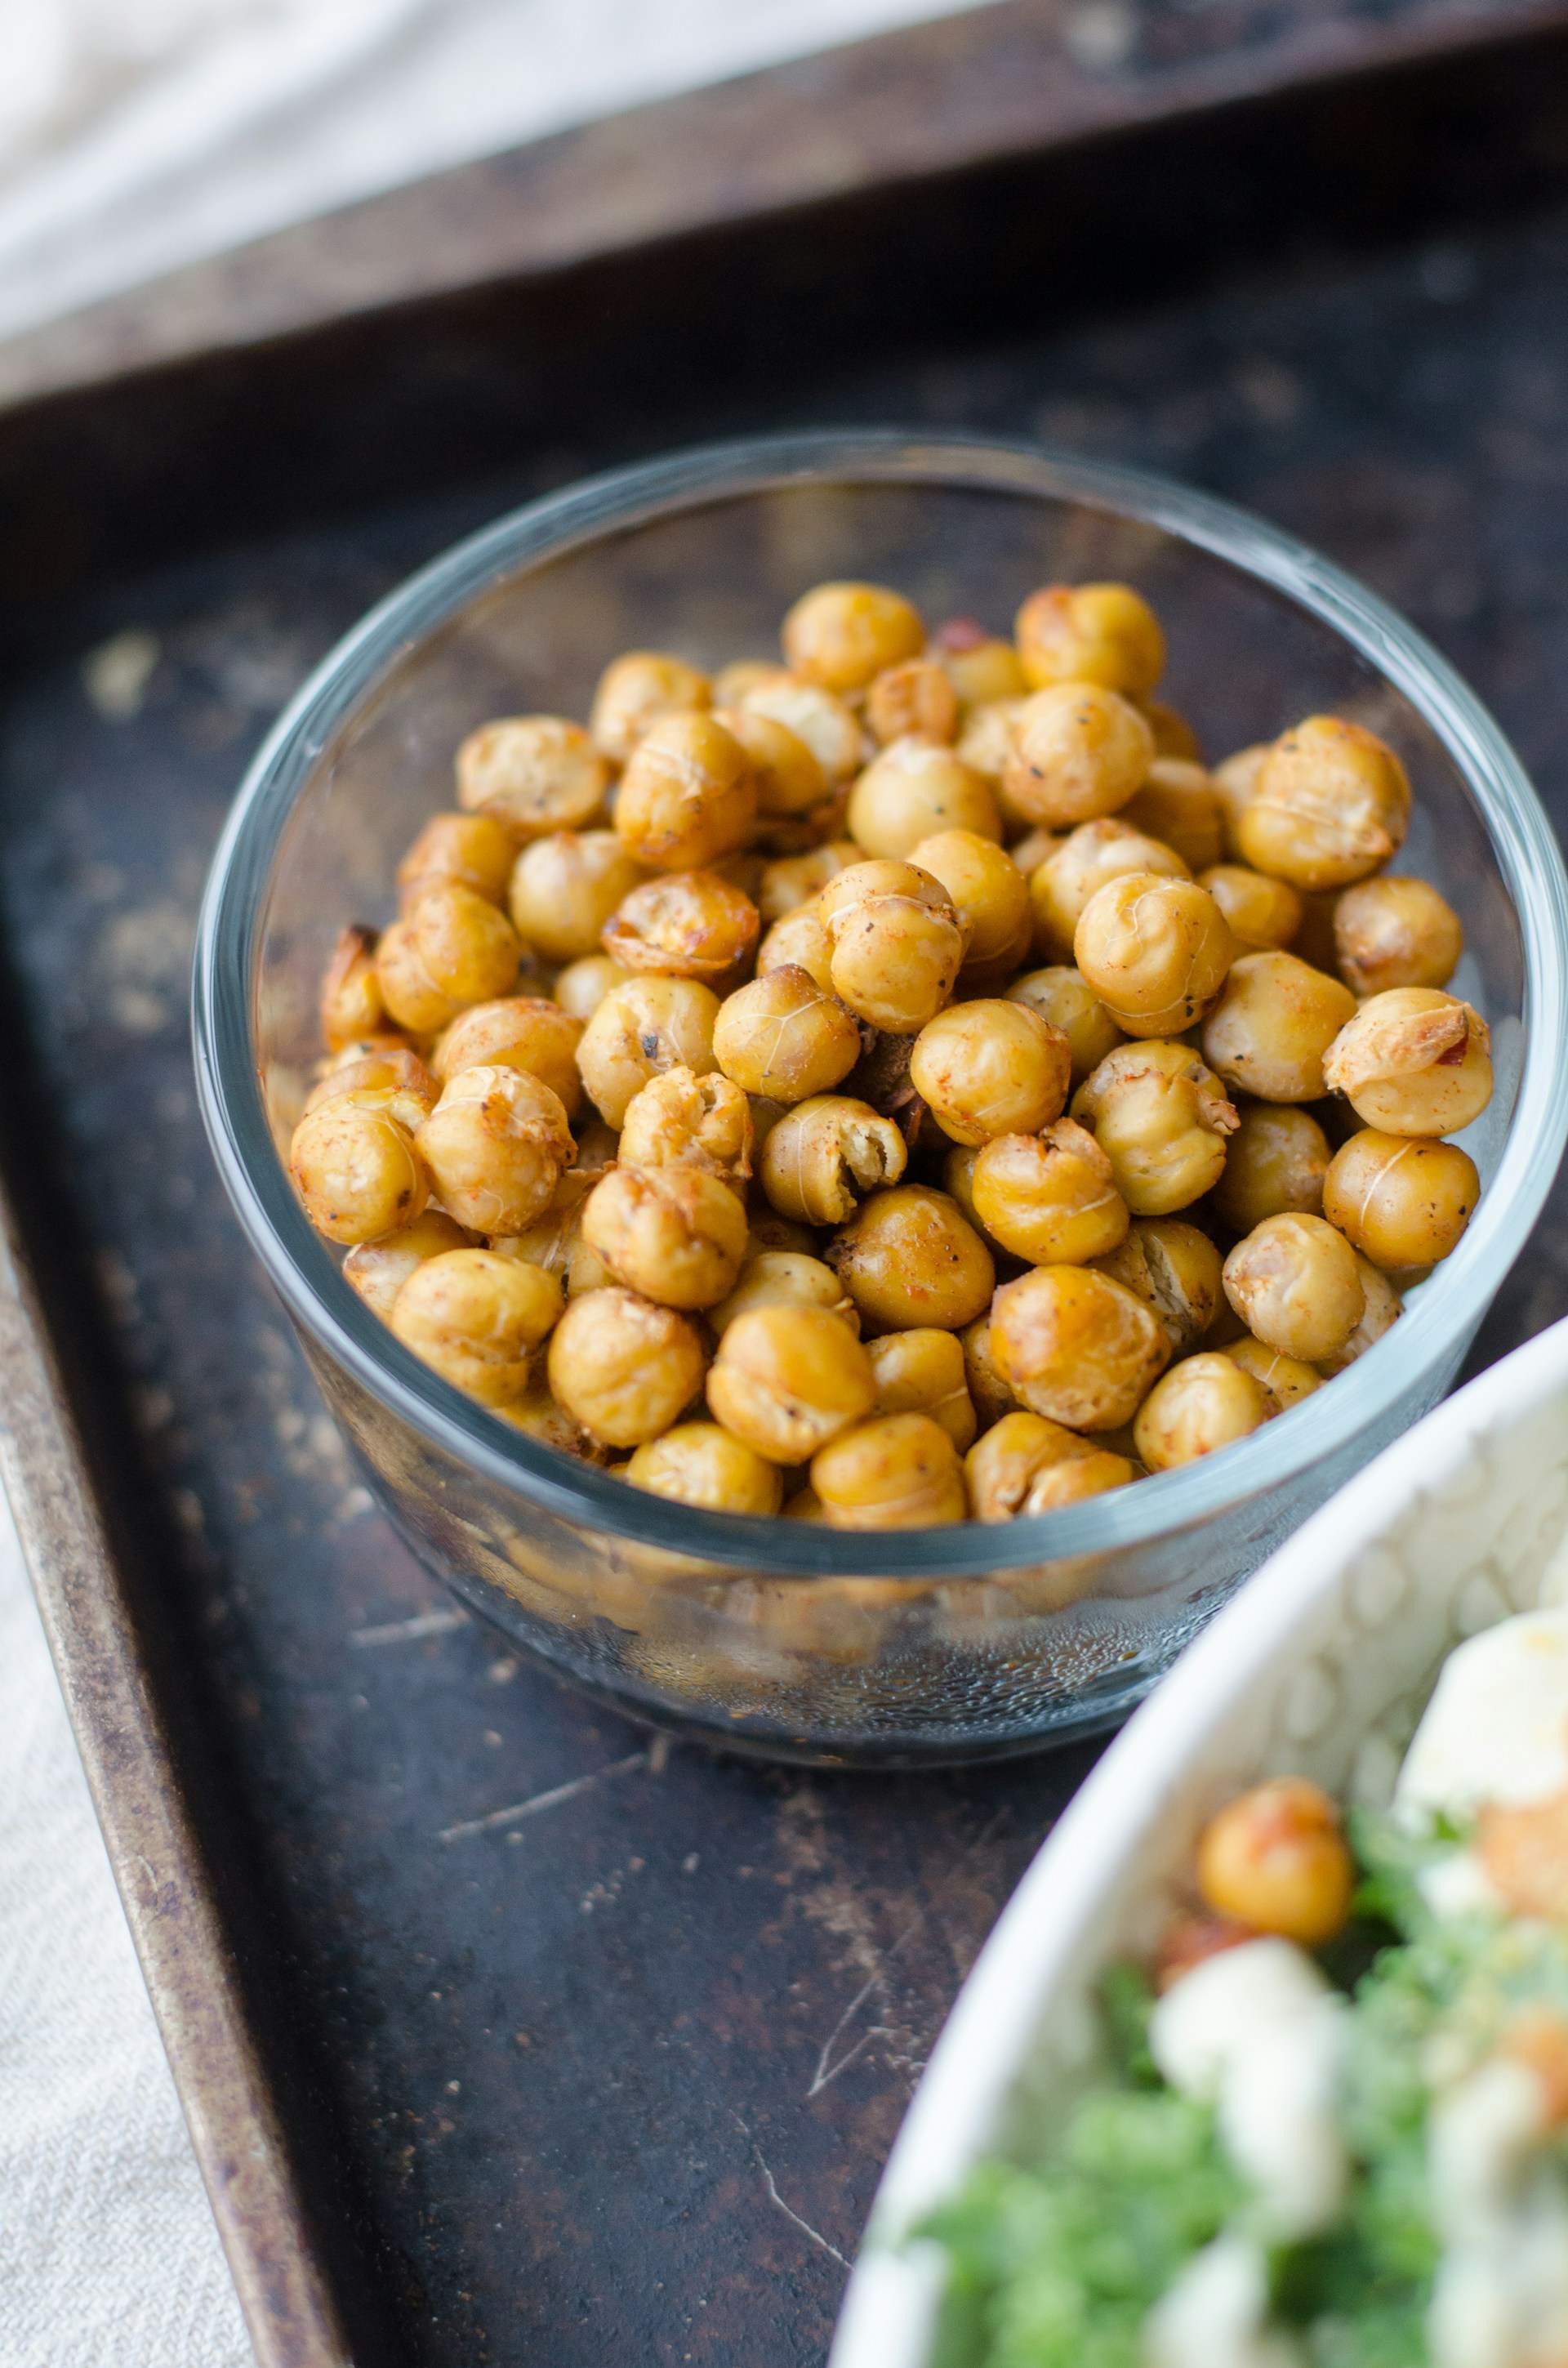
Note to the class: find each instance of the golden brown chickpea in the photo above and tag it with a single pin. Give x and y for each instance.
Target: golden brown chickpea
(985, 742)
(795, 880)
(532, 774)
(1285, 1380)
(898, 944)
(519, 1031)
(1078, 753)
(358, 1171)
(495, 1144)
(1413, 1060)
(769, 1231)
(830, 730)
(687, 795)
(1204, 1403)
(554, 1240)
(825, 1154)
(701, 1464)
(1016, 1468)
(473, 850)
(1235, 780)
(1330, 805)
(1276, 1861)
(564, 889)
(789, 777)
(1262, 914)
(957, 1182)
(1034, 848)
(395, 1081)
(676, 1235)
(1294, 1284)
(378, 1269)
(785, 1279)
(638, 1031)
(449, 950)
(1156, 951)
(1162, 1119)
(1179, 804)
(1396, 932)
(583, 986)
(1384, 1308)
(1091, 633)
(799, 942)
(731, 682)
(990, 1068)
(684, 924)
(639, 691)
(364, 1048)
(991, 897)
(537, 1415)
(1049, 1198)
(785, 1038)
(922, 1373)
(843, 635)
(1174, 1269)
(1062, 996)
(911, 1257)
(1086, 860)
(476, 1319)
(915, 698)
(989, 1394)
(1273, 1025)
(896, 1471)
(914, 789)
(1401, 1202)
(624, 1368)
(351, 1005)
(680, 1119)
(788, 1379)
(1075, 1346)
(980, 668)
(1275, 1161)
(1174, 735)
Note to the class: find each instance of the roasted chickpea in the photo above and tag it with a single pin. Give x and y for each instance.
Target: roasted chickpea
(1049, 1198)
(1179, 804)
(788, 1379)
(980, 668)
(1285, 1380)
(985, 743)
(843, 635)
(680, 1119)
(1401, 1202)
(638, 1031)
(554, 1240)
(1016, 1468)
(1330, 805)
(922, 1373)
(1062, 996)
(990, 1068)
(687, 795)
(1294, 1284)
(785, 1279)
(449, 950)
(701, 1464)
(1273, 1025)
(1204, 1403)
(1156, 951)
(991, 897)
(794, 880)
(1091, 633)
(639, 691)
(788, 776)
(351, 1005)
(357, 1170)
(989, 1394)
(1036, 845)
(532, 774)
(1413, 1060)
(896, 1471)
(684, 924)
(1384, 1308)
(910, 1258)
(799, 942)
(1276, 1861)
(566, 887)
(785, 1038)
(916, 697)
(830, 730)
(1075, 1346)
(496, 1145)
(1174, 1269)
(914, 789)
(538, 1416)
(1078, 752)
(583, 986)
(1396, 932)
(519, 1031)
(897, 942)
(676, 1235)
(1262, 914)
(1162, 1119)
(472, 850)
(476, 1319)
(378, 1269)
(825, 1154)
(396, 1081)
(1086, 860)
(731, 682)
(1275, 1161)
(1235, 780)
(625, 1368)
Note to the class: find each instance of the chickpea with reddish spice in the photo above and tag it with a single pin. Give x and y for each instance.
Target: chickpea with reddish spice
(985, 744)
(1275, 1160)
(989, 1394)
(923, 1371)
(1062, 996)
(916, 697)
(788, 1379)
(357, 1170)
(794, 880)
(1162, 1119)
(1174, 1269)
(825, 1154)
(518, 1032)
(395, 1080)
(1179, 805)
(990, 1068)
(625, 1368)
(1050, 1197)
(351, 1005)
(1087, 859)
(684, 924)
(1395, 932)
(1275, 1860)
(1075, 1346)
(639, 691)
(1285, 1380)
(1077, 752)
(1330, 805)
(912, 788)
(702, 1463)
(1413, 1060)
(1262, 914)
(991, 898)
(1204, 1403)
(532, 774)
(674, 1234)
(472, 849)
(1026, 1465)
(1156, 952)
(896, 1471)
(564, 888)
(495, 1144)
(789, 775)
(1293, 1281)
(638, 1031)
(910, 1258)
(1091, 633)
(1403, 1201)
(378, 1269)
(1273, 1024)
(843, 635)
(476, 1319)
(449, 950)
(897, 943)
(687, 795)
(799, 942)
(829, 729)
(784, 1038)
(680, 1119)
(785, 1279)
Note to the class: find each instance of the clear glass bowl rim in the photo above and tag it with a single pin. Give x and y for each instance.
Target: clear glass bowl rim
(228, 946)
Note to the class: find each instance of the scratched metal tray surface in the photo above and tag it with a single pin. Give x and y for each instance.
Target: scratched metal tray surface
(578, 2047)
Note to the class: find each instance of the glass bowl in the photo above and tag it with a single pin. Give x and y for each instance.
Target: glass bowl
(783, 1637)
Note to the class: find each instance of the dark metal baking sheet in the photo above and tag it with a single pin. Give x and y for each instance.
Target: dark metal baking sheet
(572, 2046)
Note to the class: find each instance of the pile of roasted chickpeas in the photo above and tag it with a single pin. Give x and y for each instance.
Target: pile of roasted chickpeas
(903, 1085)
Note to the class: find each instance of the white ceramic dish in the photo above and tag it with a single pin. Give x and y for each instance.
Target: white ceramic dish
(1339, 1634)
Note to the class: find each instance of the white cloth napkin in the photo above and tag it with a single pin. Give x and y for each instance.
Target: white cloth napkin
(108, 2255)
